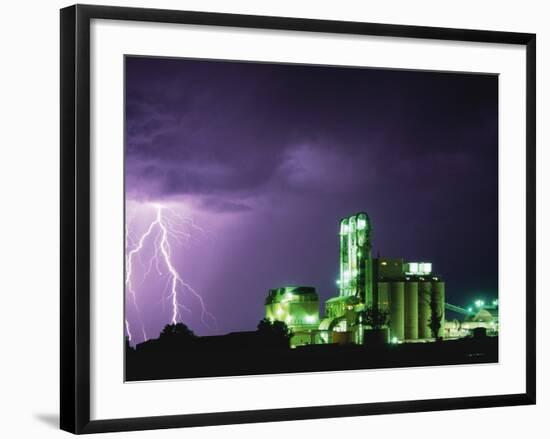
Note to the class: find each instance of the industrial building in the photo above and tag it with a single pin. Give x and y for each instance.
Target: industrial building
(406, 296)
(480, 315)
(298, 307)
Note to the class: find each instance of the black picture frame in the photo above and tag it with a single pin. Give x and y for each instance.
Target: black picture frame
(75, 217)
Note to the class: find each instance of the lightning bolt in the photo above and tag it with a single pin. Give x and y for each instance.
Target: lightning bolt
(167, 228)
(129, 275)
(127, 325)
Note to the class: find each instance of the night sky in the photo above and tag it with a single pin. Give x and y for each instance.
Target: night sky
(266, 159)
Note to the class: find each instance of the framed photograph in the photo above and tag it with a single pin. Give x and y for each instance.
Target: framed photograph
(305, 218)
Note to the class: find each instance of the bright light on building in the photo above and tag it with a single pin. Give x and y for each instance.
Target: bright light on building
(311, 319)
(479, 303)
(394, 340)
(425, 267)
(419, 268)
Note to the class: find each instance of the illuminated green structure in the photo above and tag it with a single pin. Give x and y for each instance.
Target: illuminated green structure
(407, 291)
(298, 307)
(355, 283)
(355, 255)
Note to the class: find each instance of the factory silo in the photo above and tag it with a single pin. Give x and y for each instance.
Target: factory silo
(397, 309)
(411, 310)
(424, 292)
(439, 297)
(382, 299)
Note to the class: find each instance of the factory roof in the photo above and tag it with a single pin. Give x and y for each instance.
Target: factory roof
(291, 294)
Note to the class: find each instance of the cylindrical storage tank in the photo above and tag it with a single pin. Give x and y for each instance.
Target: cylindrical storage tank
(439, 296)
(424, 313)
(397, 310)
(411, 310)
(383, 297)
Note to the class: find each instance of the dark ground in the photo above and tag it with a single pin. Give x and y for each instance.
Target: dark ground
(223, 356)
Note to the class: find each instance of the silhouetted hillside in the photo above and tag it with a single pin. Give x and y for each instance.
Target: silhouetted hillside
(178, 353)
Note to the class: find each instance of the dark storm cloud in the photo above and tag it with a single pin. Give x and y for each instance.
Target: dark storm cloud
(216, 204)
(234, 127)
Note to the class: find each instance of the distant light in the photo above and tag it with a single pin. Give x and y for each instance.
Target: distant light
(394, 340)
(479, 303)
(495, 302)
(279, 311)
(470, 309)
(425, 267)
(383, 263)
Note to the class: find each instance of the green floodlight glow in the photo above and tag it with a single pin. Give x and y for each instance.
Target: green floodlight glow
(355, 246)
(495, 302)
(479, 303)
(470, 309)
(394, 340)
(310, 319)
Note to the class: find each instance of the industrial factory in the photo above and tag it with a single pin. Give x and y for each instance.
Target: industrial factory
(380, 299)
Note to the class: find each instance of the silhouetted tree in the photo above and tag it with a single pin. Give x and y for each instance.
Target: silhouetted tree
(178, 330)
(265, 326)
(435, 314)
(275, 331)
(373, 316)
